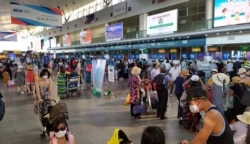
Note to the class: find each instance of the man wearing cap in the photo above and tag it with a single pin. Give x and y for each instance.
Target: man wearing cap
(215, 129)
(243, 75)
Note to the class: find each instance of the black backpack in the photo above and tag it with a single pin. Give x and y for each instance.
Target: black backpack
(2, 107)
(158, 81)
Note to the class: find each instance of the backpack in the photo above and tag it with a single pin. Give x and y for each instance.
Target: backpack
(158, 82)
(2, 107)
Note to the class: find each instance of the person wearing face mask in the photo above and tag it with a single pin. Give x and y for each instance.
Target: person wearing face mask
(44, 87)
(243, 75)
(215, 129)
(61, 133)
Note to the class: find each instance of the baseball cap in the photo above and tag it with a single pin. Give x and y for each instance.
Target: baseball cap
(195, 78)
(195, 93)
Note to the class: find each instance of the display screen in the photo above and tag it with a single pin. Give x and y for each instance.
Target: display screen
(192, 56)
(184, 56)
(154, 56)
(226, 55)
(160, 56)
(248, 55)
(174, 56)
(162, 23)
(114, 32)
(199, 56)
(218, 55)
(231, 12)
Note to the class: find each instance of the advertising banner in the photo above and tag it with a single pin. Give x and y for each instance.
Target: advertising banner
(8, 36)
(162, 23)
(120, 9)
(99, 71)
(67, 39)
(86, 37)
(111, 71)
(114, 32)
(88, 68)
(26, 14)
(53, 42)
(231, 12)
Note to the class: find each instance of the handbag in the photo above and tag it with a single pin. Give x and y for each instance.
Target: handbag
(245, 99)
(127, 101)
(139, 109)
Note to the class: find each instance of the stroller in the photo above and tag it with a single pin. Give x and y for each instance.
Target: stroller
(50, 110)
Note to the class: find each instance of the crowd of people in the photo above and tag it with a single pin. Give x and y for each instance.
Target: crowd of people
(220, 97)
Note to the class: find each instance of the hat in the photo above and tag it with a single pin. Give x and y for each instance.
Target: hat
(219, 78)
(175, 62)
(236, 79)
(241, 70)
(195, 93)
(136, 70)
(214, 70)
(245, 118)
(195, 78)
(185, 72)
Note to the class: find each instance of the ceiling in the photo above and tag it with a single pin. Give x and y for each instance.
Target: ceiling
(66, 5)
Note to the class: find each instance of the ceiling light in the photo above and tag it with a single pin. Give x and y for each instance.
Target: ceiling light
(166, 39)
(217, 34)
(206, 35)
(240, 31)
(172, 38)
(187, 36)
(228, 33)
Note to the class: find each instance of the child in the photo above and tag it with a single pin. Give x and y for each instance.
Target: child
(20, 79)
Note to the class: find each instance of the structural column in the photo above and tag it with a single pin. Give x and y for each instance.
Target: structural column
(209, 13)
(143, 24)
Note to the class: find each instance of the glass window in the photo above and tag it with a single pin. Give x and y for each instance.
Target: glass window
(202, 8)
(192, 11)
(192, 18)
(201, 16)
(182, 13)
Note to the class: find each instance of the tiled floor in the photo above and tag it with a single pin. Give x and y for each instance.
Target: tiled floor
(92, 119)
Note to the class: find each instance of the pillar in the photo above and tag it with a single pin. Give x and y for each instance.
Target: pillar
(209, 13)
(143, 24)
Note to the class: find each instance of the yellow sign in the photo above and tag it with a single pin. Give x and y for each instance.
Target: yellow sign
(196, 49)
(162, 51)
(212, 49)
(173, 50)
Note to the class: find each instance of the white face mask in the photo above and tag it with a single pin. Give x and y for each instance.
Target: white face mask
(194, 108)
(45, 77)
(242, 75)
(60, 133)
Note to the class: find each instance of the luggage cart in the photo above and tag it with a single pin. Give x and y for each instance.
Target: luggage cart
(73, 86)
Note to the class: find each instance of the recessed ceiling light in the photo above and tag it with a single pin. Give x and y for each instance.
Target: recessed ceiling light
(172, 38)
(228, 33)
(166, 39)
(217, 34)
(240, 31)
(206, 35)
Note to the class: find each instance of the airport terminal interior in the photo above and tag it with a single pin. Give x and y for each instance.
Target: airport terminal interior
(89, 55)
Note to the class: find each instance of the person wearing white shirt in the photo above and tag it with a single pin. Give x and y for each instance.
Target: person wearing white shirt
(174, 72)
(167, 65)
(213, 65)
(155, 71)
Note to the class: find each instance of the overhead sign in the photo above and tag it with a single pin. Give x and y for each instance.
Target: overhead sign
(114, 32)
(120, 9)
(162, 23)
(8, 36)
(26, 14)
(231, 12)
(67, 39)
(86, 37)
